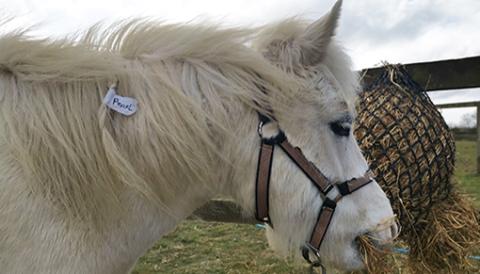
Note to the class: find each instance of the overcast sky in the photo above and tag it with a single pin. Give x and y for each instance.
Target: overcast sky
(372, 31)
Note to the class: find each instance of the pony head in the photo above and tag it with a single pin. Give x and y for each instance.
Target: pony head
(324, 134)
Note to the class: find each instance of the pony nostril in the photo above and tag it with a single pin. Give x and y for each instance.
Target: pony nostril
(384, 233)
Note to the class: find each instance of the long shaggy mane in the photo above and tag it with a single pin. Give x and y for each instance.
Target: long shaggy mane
(188, 80)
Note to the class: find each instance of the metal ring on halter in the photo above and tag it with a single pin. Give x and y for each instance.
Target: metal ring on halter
(306, 249)
(259, 129)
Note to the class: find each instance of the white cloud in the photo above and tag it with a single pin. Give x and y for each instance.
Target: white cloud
(410, 31)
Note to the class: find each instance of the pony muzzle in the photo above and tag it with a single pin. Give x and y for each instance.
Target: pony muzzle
(384, 234)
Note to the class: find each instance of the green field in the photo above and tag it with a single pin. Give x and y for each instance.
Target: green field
(465, 169)
(200, 247)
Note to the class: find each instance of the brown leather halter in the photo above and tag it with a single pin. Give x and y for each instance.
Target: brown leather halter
(320, 181)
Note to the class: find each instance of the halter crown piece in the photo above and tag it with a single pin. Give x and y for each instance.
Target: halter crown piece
(331, 192)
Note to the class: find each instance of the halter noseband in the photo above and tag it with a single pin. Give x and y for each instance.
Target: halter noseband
(320, 181)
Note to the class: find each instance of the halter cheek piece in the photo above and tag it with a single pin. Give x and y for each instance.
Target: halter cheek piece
(322, 183)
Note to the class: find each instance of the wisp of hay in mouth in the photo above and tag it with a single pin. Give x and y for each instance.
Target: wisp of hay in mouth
(376, 252)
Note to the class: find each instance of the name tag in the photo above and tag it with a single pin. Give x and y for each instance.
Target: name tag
(124, 105)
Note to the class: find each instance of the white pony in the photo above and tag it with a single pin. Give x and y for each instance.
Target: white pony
(84, 189)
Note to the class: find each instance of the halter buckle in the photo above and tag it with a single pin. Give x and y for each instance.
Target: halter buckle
(328, 189)
(306, 249)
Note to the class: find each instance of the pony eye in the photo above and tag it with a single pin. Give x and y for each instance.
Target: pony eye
(341, 128)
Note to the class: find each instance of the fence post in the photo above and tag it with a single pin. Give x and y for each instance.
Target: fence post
(478, 138)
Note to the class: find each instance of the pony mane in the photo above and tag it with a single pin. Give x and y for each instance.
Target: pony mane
(188, 80)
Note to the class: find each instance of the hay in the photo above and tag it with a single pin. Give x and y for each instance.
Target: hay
(376, 259)
(377, 254)
(412, 151)
(445, 239)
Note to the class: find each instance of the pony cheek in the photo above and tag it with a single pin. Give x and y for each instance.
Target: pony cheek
(294, 208)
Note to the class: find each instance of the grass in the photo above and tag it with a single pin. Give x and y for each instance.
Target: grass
(200, 247)
(465, 168)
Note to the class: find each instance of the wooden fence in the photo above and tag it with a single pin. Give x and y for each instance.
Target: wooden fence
(433, 76)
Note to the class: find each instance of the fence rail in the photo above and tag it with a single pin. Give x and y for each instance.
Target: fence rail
(438, 75)
(224, 211)
(459, 105)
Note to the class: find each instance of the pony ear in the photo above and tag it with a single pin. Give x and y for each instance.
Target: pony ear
(316, 38)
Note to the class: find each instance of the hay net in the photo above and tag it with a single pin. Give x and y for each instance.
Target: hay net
(407, 144)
